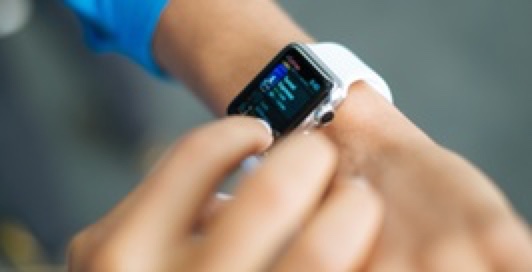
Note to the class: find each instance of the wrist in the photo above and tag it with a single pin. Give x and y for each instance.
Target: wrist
(374, 131)
(218, 53)
(218, 56)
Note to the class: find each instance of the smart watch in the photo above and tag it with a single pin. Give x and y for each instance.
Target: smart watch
(303, 85)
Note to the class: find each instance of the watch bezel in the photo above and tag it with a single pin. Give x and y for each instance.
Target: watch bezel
(302, 116)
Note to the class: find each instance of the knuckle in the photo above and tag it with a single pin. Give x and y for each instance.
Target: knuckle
(508, 244)
(88, 251)
(274, 198)
(106, 257)
(314, 145)
(488, 213)
(78, 242)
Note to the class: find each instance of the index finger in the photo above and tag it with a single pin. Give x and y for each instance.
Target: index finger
(271, 203)
(166, 205)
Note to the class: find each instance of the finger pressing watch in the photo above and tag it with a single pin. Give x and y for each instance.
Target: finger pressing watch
(303, 86)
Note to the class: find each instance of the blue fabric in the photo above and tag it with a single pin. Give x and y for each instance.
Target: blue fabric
(123, 26)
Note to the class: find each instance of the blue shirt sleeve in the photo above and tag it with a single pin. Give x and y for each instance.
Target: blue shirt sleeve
(123, 26)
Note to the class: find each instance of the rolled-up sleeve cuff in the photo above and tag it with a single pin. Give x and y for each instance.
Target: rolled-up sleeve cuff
(126, 27)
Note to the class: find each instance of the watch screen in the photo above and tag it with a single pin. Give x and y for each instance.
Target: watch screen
(286, 91)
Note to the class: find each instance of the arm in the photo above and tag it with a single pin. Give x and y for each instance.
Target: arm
(442, 213)
(165, 224)
(218, 52)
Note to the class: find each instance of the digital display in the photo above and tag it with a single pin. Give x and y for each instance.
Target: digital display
(285, 92)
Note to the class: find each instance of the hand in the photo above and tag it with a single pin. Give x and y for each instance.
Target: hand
(287, 215)
(442, 214)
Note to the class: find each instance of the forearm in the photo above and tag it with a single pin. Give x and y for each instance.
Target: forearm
(216, 47)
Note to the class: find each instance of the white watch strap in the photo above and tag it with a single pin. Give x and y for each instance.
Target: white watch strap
(349, 68)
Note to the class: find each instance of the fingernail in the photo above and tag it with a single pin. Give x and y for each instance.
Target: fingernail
(361, 182)
(266, 126)
(250, 163)
(224, 196)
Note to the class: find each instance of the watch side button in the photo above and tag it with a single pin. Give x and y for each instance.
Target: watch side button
(326, 117)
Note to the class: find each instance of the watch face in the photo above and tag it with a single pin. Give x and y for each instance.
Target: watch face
(286, 91)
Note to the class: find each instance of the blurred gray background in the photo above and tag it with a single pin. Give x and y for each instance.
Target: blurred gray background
(78, 130)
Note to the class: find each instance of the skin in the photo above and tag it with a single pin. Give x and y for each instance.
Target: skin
(440, 212)
(285, 211)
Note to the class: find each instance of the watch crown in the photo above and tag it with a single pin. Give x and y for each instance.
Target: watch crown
(324, 115)
(327, 118)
